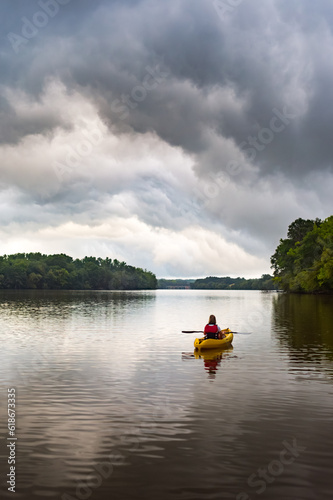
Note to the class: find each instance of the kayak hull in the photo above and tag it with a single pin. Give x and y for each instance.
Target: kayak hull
(215, 343)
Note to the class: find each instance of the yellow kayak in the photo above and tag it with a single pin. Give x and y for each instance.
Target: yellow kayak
(215, 343)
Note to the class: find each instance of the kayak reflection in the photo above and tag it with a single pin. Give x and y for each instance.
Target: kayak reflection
(212, 358)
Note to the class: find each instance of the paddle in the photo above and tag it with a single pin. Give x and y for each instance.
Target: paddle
(200, 331)
(192, 331)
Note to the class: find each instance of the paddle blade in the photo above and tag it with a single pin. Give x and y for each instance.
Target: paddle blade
(242, 333)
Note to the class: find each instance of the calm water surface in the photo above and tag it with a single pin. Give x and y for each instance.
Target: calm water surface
(112, 403)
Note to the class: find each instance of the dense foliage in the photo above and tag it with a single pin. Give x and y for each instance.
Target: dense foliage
(34, 270)
(303, 262)
(214, 283)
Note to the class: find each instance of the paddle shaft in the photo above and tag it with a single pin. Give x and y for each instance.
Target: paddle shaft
(192, 331)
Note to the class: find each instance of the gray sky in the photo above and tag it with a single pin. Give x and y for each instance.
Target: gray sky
(183, 137)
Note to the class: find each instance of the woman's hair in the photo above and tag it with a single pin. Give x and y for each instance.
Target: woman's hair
(212, 320)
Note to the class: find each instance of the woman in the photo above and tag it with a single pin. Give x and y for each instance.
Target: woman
(212, 330)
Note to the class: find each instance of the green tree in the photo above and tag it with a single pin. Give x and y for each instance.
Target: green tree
(303, 262)
(299, 228)
(34, 280)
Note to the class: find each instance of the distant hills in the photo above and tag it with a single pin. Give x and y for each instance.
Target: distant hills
(214, 283)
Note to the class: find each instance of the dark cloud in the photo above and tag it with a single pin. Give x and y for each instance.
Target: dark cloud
(269, 55)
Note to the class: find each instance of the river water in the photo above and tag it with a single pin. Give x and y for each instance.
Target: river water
(113, 403)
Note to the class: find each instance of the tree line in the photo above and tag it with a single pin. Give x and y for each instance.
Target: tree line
(60, 271)
(303, 262)
(163, 283)
(227, 283)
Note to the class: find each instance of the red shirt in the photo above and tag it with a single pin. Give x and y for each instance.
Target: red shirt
(211, 329)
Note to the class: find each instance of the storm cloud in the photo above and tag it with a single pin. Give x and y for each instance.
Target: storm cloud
(205, 125)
